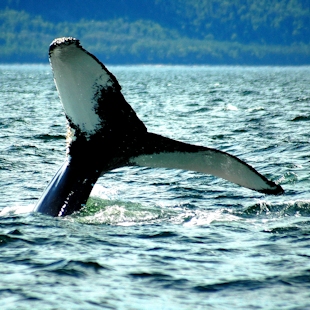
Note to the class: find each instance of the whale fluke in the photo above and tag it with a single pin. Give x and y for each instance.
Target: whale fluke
(105, 133)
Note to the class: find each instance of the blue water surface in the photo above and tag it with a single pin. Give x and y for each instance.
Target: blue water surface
(159, 238)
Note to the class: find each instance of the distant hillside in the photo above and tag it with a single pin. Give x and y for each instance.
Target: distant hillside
(159, 31)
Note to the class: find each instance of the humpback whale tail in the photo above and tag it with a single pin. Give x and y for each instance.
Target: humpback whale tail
(105, 133)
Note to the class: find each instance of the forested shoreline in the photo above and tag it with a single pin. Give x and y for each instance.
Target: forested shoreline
(201, 32)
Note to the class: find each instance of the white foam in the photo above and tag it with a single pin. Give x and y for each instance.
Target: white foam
(16, 210)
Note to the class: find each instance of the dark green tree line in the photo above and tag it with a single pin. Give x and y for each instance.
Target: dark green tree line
(25, 38)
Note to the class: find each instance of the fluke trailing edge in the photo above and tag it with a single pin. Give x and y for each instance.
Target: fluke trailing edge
(105, 133)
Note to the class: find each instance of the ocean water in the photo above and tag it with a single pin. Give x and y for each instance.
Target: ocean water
(159, 238)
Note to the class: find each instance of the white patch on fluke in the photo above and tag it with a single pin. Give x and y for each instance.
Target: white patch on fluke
(79, 78)
(212, 162)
